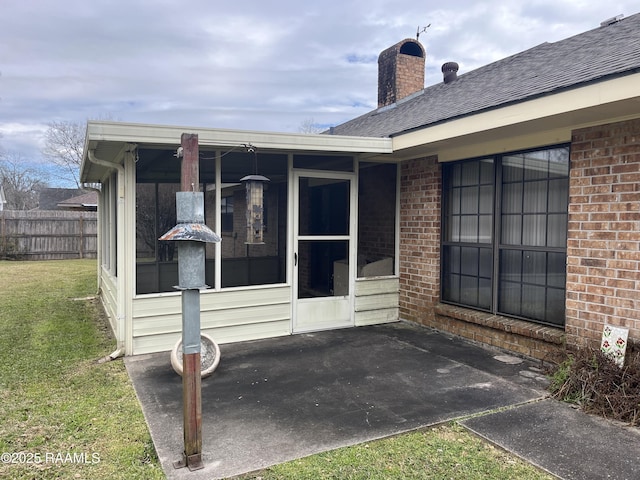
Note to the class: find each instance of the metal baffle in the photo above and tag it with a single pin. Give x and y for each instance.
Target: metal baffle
(192, 235)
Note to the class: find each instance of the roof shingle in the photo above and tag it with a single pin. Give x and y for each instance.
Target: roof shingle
(604, 52)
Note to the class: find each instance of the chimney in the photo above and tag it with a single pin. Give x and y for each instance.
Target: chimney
(400, 71)
(450, 71)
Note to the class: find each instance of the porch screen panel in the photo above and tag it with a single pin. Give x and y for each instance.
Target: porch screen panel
(157, 181)
(245, 264)
(156, 261)
(377, 202)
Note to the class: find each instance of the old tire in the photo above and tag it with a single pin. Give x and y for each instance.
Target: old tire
(209, 356)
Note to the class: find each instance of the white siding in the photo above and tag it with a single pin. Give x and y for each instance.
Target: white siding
(109, 297)
(377, 301)
(228, 316)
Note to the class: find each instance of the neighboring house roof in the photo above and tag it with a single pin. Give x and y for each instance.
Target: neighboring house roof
(606, 52)
(88, 201)
(50, 197)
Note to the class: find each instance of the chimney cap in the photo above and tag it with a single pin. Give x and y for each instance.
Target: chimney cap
(450, 67)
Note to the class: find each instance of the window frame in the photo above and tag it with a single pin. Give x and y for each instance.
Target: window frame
(496, 245)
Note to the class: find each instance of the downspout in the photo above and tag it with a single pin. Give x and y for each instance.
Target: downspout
(120, 314)
(98, 247)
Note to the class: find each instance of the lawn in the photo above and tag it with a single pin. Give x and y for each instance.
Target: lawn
(63, 414)
(66, 416)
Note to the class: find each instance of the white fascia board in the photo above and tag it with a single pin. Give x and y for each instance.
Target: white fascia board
(559, 105)
(170, 135)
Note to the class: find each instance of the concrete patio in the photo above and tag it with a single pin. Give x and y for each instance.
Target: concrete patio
(280, 399)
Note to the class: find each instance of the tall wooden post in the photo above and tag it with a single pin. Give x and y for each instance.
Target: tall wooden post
(192, 234)
(191, 387)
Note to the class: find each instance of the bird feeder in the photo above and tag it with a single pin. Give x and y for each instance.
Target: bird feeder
(254, 185)
(255, 208)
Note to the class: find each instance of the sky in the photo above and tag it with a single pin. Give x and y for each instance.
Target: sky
(246, 64)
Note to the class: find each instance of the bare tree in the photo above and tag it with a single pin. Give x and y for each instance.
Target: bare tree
(64, 142)
(308, 125)
(22, 185)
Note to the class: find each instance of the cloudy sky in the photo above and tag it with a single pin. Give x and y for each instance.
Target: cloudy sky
(244, 64)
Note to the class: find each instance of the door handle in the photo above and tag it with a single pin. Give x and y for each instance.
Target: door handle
(295, 259)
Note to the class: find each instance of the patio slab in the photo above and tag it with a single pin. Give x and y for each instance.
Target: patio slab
(280, 399)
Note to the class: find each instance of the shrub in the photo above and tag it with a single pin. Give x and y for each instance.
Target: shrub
(590, 379)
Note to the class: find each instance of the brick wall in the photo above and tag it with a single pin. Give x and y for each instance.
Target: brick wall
(603, 245)
(409, 76)
(420, 226)
(603, 248)
(420, 194)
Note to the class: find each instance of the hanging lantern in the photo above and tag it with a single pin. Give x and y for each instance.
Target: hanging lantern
(255, 208)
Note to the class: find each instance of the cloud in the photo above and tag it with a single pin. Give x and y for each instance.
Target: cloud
(244, 64)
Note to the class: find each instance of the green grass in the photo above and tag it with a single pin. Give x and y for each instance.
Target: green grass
(443, 452)
(55, 399)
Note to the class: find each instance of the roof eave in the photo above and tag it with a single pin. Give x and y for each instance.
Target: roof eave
(607, 100)
(502, 105)
(117, 133)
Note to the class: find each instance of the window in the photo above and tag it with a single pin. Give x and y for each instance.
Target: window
(505, 234)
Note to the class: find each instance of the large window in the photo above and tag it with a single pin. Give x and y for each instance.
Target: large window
(505, 234)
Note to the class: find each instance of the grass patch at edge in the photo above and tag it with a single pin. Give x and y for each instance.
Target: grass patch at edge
(73, 417)
(441, 452)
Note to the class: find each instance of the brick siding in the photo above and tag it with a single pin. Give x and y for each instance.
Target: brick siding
(420, 200)
(603, 249)
(603, 245)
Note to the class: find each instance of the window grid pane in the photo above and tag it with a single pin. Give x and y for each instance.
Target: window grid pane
(530, 250)
(539, 182)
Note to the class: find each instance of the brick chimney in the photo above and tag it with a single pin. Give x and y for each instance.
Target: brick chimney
(400, 71)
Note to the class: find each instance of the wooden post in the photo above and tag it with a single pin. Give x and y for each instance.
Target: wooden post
(191, 396)
(191, 380)
(190, 173)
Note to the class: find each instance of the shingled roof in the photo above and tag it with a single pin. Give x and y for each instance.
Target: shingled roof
(596, 55)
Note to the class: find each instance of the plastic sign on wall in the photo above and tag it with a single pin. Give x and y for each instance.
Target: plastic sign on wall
(614, 343)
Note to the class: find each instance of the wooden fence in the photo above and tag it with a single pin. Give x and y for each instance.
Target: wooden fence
(48, 234)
